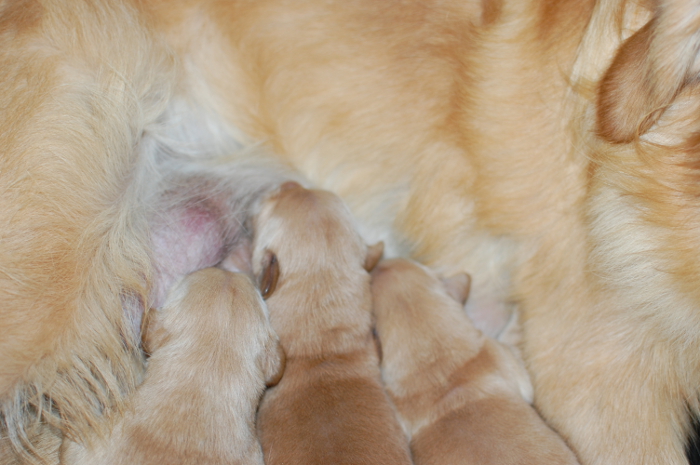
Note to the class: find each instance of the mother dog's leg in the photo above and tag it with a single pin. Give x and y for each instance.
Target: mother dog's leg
(79, 81)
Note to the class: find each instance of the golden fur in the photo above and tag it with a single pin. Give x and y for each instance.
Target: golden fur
(547, 147)
(212, 350)
(330, 406)
(463, 397)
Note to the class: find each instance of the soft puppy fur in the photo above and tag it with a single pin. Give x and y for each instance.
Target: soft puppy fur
(330, 406)
(464, 398)
(212, 351)
(550, 148)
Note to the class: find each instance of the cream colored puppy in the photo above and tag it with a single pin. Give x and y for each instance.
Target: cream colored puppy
(463, 397)
(330, 407)
(212, 351)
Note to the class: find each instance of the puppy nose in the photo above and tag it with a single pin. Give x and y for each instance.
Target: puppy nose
(289, 185)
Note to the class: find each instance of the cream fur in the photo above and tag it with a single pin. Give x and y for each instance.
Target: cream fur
(330, 406)
(462, 397)
(212, 348)
(548, 148)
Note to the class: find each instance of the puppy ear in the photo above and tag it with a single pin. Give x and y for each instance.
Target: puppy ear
(458, 286)
(649, 71)
(377, 343)
(151, 329)
(269, 275)
(274, 363)
(374, 254)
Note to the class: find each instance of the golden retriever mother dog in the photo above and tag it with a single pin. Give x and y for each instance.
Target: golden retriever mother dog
(549, 148)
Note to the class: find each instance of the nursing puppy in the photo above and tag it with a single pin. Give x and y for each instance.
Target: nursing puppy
(212, 351)
(463, 397)
(329, 408)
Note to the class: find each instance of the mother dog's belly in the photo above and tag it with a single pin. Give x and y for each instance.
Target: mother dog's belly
(443, 235)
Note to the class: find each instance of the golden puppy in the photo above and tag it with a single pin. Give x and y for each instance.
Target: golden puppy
(329, 408)
(212, 351)
(463, 397)
(550, 145)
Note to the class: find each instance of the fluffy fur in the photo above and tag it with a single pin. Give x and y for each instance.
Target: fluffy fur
(330, 406)
(212, 350)
(549, 148)
(462, 397)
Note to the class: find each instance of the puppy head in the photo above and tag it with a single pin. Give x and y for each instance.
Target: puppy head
(419, 318)
(302, 229)
(201, 301)
(270, 268)
(220, 313)
(393, 280)
(396, 281)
